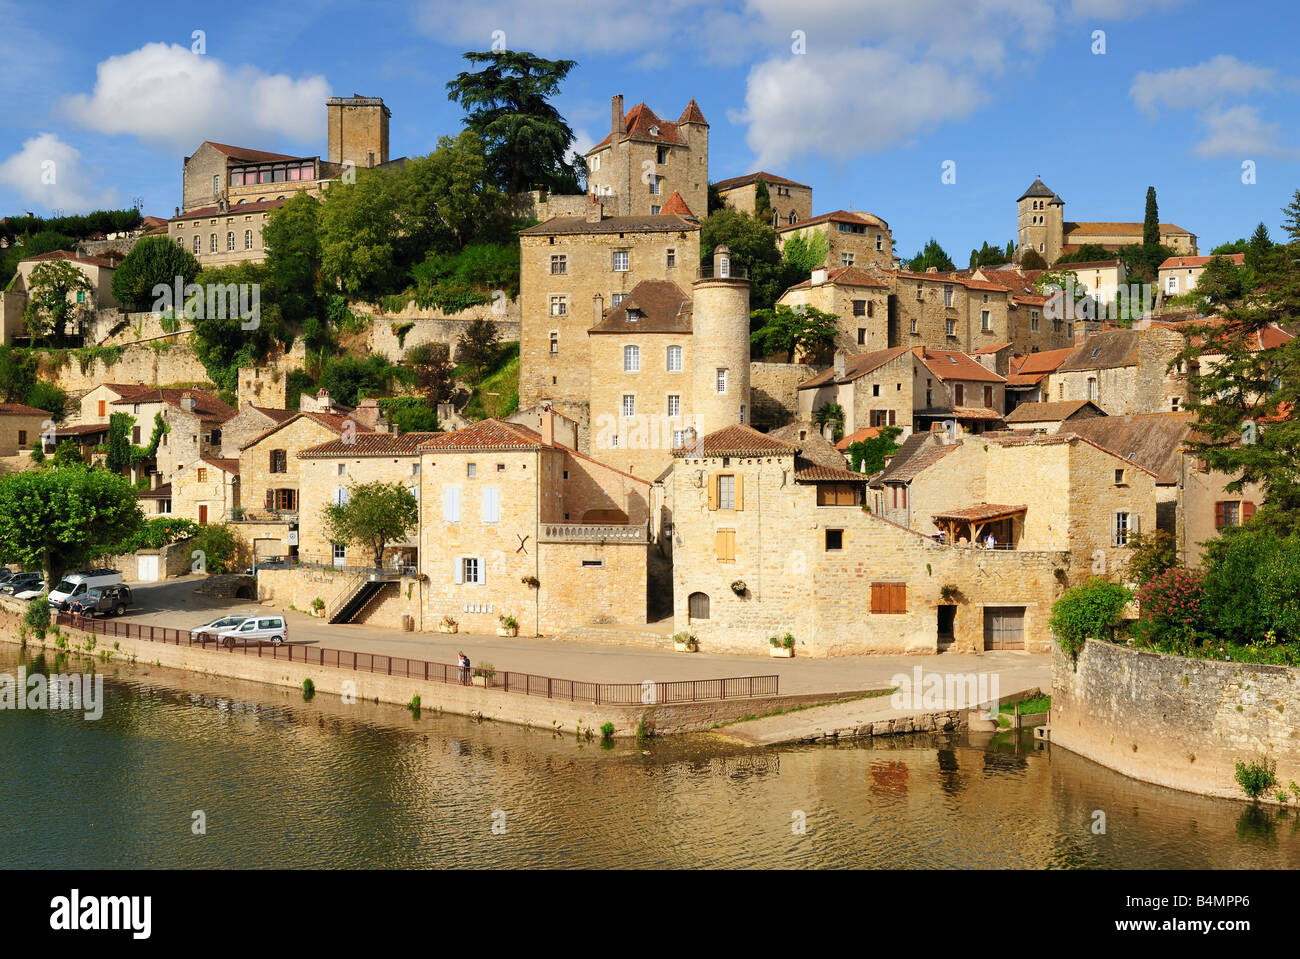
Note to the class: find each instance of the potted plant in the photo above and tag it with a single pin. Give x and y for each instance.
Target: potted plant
(949, 592)
(685, 643)
(448, 625)
(532, 582)
(782, 646)
(482, 675)
(509, 626)
(739, 587)
(318, 607)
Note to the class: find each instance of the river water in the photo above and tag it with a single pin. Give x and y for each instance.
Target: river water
(281, 782)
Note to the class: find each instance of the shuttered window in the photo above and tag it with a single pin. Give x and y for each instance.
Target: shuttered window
(889, 597)
(724, 545)
(726, 491)
(836, 494)
(491, 504)
(451, 504)
(1232, 513)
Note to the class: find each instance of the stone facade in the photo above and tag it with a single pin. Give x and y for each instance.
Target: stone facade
(20, 427)
(1129, 373)
(357, 130)
(852, 238)
(791, 202)
(645, 160)
(224, 234)
(859, 299)
(206, 490)
(774, 392)
(1205, 507)
(1041, 226)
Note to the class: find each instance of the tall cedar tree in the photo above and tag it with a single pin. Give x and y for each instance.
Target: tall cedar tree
(933, 255)
(1246, 403)
(507, 103)
(1151, 224)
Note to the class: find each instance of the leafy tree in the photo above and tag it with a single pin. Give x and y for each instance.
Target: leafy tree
(1031, 259)
(291, 238)
(716, 200)
(410, 414)
(831, 414)
(60, 519)
(448, 199)
(1089, 611)
(1151, 222)
(360, 235)
(221, 343)
(507, 104)
(53, 289)
(868, 456)
(349, 378)
(762, 202)
(1088, 253)
(1221, 282)
(219, 547)
(477, 346)
(118, 457)
(1150, 554)
(932, 255)
(804, 330)
(27, 245)
(67, 453)
(375, 515)
(1259, 251)
(1234, 604)
(48, 397)
(802, 256)
(988, 255)
(753, 247)
(1236, 246)
(431, 365)
(38, 453)
(154, 260)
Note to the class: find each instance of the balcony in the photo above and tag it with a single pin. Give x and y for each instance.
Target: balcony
(594, 533)
(734, 271)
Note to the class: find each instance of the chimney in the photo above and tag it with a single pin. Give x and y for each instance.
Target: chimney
(931, 269)
(187, 402)
(323, 404)
(155, 480)
(597, 309)
(178, 211)
(819, 276)
(548, 426)
(595, 210)
(616, 119)
(841, 364)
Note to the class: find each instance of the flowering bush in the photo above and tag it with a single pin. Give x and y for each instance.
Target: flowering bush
(1170, 609)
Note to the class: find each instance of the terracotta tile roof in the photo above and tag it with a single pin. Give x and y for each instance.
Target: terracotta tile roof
(225, 464)
(807, 472)
(1028, 369)
(1089, 265)
(81, 429)
(278, 415)
(333, 421)
(918, 452)
(955, 365)
(692, 114)
(675, 206)
(128, 389)
(985, 511)
(970, 413)
(769, 178)
(21, 409)
(638, 123)
(813, 446)
(838, 216)
(859, 364)
(158, 492)
(1049, 412)
(369, 444)
(991, 349)
(250, 156)
(1089, 227)
(72, 257)
(659, 306)
(858, 436)
(845, 276)
(737, 440)
(1177, 262)
(207, 406)
(485, 435)
(575, 225)
(235, 209)
(972, 284)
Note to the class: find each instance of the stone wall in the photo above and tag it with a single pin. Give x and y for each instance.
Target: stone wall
(772, 392)
(114, 327)
(1176, 722)
(155, 365)
(431, 325)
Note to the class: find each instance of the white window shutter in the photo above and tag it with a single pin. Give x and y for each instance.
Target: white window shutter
(457, 571)
(451, 504)
(491, 510)
(482, 569)
(1135, 524)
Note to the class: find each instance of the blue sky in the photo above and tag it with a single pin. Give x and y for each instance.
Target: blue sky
(863, 99)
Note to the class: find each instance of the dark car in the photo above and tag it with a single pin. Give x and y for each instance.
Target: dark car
(102, 599)
(20, 582)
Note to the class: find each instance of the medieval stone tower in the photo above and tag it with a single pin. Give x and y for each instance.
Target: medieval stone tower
(720, 346)
(358, 130)
(1040, 222)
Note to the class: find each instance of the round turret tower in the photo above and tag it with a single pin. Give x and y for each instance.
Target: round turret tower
(720, 344)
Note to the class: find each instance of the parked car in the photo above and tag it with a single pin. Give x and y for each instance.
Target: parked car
(210, 630)
(102, 599)
(30, 592)
(20, 582)
(74, 585)
(255, 629)
(6, 574)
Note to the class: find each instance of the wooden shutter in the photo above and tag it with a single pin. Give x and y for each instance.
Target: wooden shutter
(1247, 511)
(877, 597)
(740, 491)
(713, 491)
(891, 417)
(898, 599)
(482, 569)
(457, 570)
(1218, 515)
(724, 545)
(270, 499)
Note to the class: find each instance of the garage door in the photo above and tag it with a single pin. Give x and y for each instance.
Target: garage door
(1004, 627)
(147, 568)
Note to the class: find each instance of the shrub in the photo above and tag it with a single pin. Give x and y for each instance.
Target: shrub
(37, 616)
(607, 732)
(1089, 611)
(1170, 616)
(1150, 554)
(1256, 776)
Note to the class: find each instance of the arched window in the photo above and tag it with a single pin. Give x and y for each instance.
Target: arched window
(792, 218)
(697, 606)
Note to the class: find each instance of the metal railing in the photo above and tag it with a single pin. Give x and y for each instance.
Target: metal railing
(648, 693)
(734, 271)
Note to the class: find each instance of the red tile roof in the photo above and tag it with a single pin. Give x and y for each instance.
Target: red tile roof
(225, 464)
(838, 216)
(675, 206)
(20, 409)
(736, 440)
(692, 114)
(859, 364)
(73, 257)
(332, 421)
(814, 473)
(858, 436)
(985, 511)
(232, 210)
(1175, 262)
(278, 415)
(1027, 369)
(845, 276)
(991, 349)
(770, 178)
(369, 444)
(485, 435)
(1101, 228)
(206, 405)
(252, 156)
(955, 365)
(639, 121)
(1049, 412)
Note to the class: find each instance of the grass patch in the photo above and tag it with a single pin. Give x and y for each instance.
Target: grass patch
(1039, 704)
(830, 702)
(502, 380)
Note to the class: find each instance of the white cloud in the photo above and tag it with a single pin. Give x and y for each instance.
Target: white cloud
(49, 173)
(798, 105)
(1118, 9)
(168, 96)
(1239, 132)
(1186, 87)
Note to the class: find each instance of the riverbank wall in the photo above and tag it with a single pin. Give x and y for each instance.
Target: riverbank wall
(1176, 722)
(361, 686)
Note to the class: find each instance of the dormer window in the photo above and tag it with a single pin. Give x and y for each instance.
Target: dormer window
(633, 315)
(654, 131)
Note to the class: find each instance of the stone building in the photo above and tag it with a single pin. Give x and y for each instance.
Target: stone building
(1180, 274)
(575, 269)
(1124, 371)
(223, 235)
(250, 422)
(644, 160)
(21, 427)
(205, 490)
(358, 131)
(791, 202)
(765, 542)
(852, 239)
(873, 388)
(1052, 417)
(192, 422)
(1041, 226)
(859, 298)
(1027, 375)
(513, 523)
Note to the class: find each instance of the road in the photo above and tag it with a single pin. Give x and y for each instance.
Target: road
(173, 603)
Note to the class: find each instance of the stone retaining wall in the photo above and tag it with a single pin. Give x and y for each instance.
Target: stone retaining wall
(1176, 722)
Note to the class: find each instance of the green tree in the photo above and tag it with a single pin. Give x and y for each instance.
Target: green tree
(218, 547)
(1222, 282)
(67, 453)
(1092, 610)
(1031, 259)
(118, 457)
(1149, 555)
(48, 397)
(225, 343)
(753, 247)
(38, 453)
(868, 456)
(1151, 222)
(291, 238)
(360, 235)
(60, 519)
(804, 330)
(410, 414)
(802, 256)
(932, 255)
(153, 261)
(349, 378)
(374, 515)
(58, 293)
(433, 371)
(477, 347)
(762, 202)
(716, 200)
(508, 104)
(1236, 246)
(988, 255)
(832, 415)
(1259, 251)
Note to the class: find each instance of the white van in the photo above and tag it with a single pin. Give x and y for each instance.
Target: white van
(255, 629)
(74, 585)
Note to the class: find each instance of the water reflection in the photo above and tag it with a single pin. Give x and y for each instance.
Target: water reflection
(284, 782)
